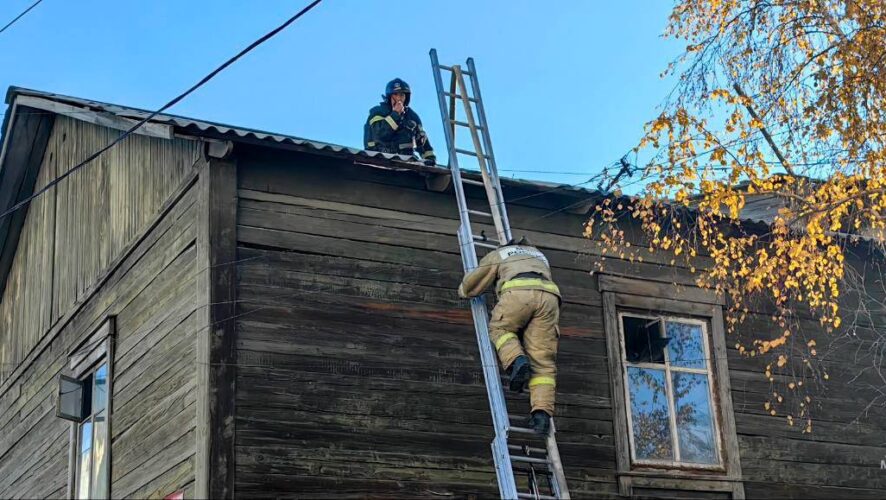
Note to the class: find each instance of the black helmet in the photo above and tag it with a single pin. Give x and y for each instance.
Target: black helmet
(522, 241)
(397, 85)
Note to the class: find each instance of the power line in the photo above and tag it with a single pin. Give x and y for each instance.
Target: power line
(10, 23)
(166, 106)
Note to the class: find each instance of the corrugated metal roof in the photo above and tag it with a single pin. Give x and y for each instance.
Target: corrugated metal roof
(196, 125)
(201, 127)
(230, 132)
(384, 160)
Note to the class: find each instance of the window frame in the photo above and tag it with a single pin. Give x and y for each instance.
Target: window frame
(93, 435)
(84, 361)
(659, 299)
(669, 391)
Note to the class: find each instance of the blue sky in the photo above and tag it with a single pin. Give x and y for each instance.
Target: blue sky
(567, 85)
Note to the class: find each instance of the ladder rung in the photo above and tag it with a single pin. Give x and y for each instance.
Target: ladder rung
(479, 212)
(458, 96)
(466, 124)
(472, 181)
(485, 245)
(524, 430)
(534, 468)
(534, 496)
(529, 449)
(529, 460)
(483, 237)
(449, 68)
(466, 152)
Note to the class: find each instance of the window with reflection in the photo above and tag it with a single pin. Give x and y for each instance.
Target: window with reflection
(669, 391)
(93, 437)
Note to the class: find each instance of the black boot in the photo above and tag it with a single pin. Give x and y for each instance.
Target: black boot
(540, 421)
(519, 371)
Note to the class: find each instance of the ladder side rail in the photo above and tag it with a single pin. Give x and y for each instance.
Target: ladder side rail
(488, 356)
(504, 468)
(556, 466)
(504, 472)
(487, 142)
(469, 255)
(451, 122)
(496, 204)
(494, 390)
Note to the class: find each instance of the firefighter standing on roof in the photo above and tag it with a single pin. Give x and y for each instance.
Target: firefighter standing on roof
(393, 127)
(524, 324)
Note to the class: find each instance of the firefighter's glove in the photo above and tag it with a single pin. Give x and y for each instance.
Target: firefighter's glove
(410, 125)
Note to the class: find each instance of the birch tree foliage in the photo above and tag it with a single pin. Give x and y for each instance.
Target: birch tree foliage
(779, 98)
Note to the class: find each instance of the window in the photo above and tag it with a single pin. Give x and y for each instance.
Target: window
(85, 402)
(84, 398)
(674, 427)
(93, 438)
(669, 391)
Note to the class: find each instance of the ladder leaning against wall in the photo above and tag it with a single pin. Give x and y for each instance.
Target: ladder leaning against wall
(523, 470)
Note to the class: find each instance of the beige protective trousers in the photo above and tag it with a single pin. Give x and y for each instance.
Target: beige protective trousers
(532, 315)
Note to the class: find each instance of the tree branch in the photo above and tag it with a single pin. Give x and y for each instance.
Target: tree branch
(754, 115)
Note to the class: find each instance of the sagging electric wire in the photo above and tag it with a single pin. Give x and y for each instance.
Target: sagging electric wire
(166, 106)
(15, 20)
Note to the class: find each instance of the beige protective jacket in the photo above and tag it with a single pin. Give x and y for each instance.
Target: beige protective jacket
(504, 264)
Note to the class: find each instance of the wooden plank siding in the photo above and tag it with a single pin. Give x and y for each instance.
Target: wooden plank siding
(357, 363)
(152, 294)
(75, 230)
(216, 360)
(287, 325)
(115, 239)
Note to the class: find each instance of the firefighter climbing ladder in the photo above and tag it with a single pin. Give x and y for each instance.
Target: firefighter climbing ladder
(511, 446)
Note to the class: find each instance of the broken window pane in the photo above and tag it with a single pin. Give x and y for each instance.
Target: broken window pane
(686, 347)
(695, 430)
(650, 420)
(643, 340)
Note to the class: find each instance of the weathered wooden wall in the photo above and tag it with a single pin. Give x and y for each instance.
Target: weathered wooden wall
(152, 293)
(357, 364)
(75, 230)
(119, 252)
(153, 419)
(841, 457)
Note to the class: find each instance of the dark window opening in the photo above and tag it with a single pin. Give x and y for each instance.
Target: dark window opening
(645, 341)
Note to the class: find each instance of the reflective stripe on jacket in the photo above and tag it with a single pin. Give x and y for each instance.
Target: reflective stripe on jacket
(384, 131)
(503, 266)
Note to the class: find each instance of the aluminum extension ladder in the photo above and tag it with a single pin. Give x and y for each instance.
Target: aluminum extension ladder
(512, 447)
